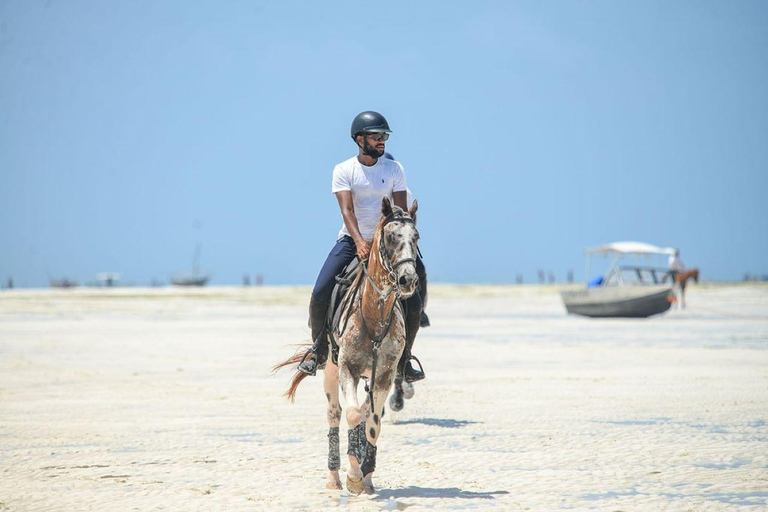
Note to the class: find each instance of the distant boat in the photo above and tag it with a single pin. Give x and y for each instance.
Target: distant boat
(625, 290)
(195, 278)
(62, 283)
(190, 280)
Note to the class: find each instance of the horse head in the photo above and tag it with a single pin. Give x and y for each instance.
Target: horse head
(398, 239)
(695, 274)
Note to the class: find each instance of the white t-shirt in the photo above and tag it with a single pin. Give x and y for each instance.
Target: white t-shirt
(675, 263)
(368, 186)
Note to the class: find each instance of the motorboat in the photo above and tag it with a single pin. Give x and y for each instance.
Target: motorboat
(634, 291)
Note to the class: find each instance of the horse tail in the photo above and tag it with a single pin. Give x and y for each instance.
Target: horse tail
(298, 376)
(295, 381)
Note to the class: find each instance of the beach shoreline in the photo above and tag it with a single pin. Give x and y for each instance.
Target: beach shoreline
(163, 399)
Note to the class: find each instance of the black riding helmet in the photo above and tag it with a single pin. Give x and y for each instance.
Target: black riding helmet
(370, 122)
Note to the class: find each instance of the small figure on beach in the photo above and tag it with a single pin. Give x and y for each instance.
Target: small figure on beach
(675, 265)
(680, 276)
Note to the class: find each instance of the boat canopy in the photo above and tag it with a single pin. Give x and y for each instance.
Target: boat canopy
(620, 248)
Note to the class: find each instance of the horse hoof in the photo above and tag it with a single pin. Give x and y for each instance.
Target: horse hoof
(355, 486)
(368, 489)
(396, 402)
(334, 482)
(408, 390)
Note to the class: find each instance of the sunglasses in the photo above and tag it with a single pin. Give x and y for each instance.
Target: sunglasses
(378, 136)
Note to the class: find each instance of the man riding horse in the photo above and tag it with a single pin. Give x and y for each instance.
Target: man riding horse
(675, 265)
(359, 184)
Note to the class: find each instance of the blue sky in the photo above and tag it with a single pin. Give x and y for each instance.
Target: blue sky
(528, 130)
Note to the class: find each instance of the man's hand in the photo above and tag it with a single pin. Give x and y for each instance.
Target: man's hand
(362, 248)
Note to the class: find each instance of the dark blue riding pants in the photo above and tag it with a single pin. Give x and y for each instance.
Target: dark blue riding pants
(340, 256)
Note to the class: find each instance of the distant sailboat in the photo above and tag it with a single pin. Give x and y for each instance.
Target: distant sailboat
(195, 278)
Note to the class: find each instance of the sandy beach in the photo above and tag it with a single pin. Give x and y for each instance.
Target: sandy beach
(162, 399)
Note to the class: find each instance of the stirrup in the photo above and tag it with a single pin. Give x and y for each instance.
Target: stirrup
(420, 371)
(310, 370)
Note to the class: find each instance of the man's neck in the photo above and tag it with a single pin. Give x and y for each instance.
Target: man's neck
(366, 160)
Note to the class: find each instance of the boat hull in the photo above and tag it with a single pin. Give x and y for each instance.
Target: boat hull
(618, 302)
(190, 280)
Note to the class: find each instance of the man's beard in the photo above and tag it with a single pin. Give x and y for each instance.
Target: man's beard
(371, 151)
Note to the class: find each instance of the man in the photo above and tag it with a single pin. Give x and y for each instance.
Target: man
(421, 271)
(675, 265)
(359, 183)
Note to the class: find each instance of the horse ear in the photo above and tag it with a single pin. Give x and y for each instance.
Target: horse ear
(414, 208)
(386, 206)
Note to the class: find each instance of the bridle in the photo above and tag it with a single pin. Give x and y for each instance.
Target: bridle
(390, 267)
(386, 261)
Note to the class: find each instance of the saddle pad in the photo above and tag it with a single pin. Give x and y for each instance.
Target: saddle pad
(343, 281)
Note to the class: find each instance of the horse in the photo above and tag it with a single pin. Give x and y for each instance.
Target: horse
(370, 343)
(681, 279)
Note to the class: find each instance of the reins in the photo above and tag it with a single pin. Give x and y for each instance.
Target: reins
(394, 287)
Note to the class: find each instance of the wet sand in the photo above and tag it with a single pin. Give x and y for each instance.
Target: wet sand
(162, 399)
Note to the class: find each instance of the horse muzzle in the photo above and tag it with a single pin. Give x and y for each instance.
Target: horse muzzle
(407, 283)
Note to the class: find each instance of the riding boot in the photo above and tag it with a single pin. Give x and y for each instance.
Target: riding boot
(316, 357)
(405, 370)
(421, 271)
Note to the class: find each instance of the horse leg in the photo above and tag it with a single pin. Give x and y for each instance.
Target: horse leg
(331, 386)
(372, 432)
(396, 400)
(356, 451)
(682, 295)
(408, 390)
(356, 431)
